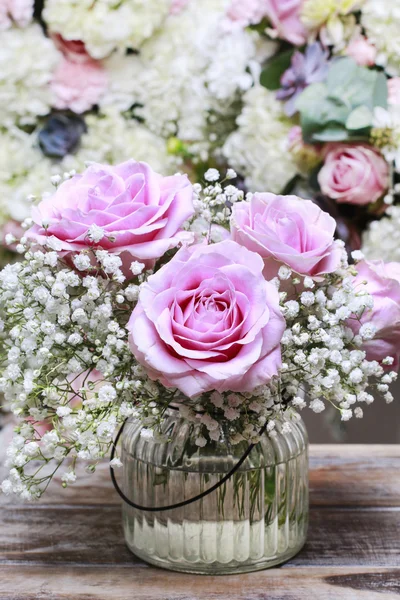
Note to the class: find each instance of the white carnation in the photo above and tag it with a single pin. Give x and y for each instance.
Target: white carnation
(381, 20)
(27, 61)
(258, 149)
(104, 25)
(111, 138)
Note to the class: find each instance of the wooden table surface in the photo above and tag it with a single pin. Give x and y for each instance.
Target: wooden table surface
(70, 546)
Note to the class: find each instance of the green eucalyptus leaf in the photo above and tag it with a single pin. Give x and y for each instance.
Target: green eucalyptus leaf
(334, 132)
(271, 75)
(341, 73)
(359, 118)
(311, 95)
(380, 93)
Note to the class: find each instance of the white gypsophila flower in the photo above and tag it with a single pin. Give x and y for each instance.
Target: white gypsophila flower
(112, 138)
(284, 272)
(317, 406)
(103, 25)
(95, 233)
(27, 61)
(258, 149)
(357, 255)
(137, 267)
(381, 20)
(212, 175)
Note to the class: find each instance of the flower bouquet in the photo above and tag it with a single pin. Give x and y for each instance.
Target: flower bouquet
(192, 319)
(324, 116)
(298, 96)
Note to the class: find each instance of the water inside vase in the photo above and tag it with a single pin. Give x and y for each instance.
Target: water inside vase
(256, 519)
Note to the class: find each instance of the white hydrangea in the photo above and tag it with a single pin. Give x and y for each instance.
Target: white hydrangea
(24, 171)
(105, 25)
(111, 138)
(190, 70)
(27, 61)
(381, 240)
(381, 20)
(258, 149)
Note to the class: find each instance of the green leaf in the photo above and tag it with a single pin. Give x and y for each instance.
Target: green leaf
(312, 94)
(271, 75)
(380, 93)
(356, 85)
(341, 73)
(331, 133)
(359, 118)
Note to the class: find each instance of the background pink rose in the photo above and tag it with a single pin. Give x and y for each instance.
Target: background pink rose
(287, 230)
(353, 173)
(246, 13)
(177, 6)
(78, 85)
(208, 320)
(73, 50)
(139, 209)
(17, 11)
(285, 18)
(363, 52)
(383, 283)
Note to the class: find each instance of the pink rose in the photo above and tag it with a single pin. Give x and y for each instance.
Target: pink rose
(285, 17)
(363, 52)
(138, 211)
(73, 50)
(394, 90)
(208, 320)
(78, 86)
(246, 13)
(17, 11)
(383, 283)
(177, 6)
(353, 173)
(287, 230)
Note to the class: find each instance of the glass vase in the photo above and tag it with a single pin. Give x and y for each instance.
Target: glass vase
(256, 519)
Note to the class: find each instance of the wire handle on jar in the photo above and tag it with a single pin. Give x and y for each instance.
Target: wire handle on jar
(184, 502)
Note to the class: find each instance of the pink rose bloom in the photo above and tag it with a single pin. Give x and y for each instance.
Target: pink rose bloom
(78, 86)
(246, 13)
(73, 50)
(208, 320)
(139, 211)
(353, 173)
(394, 90)
(383, 283)
(285, 18)
(286, 230)
(363, 52)
(177, 6)
(17, 11)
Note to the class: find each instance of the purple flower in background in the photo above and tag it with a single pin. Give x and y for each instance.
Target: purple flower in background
(307, 68)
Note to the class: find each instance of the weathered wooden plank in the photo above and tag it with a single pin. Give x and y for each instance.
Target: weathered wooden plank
(344, 475)
(355, 475)
(93, 536)
(145, 583)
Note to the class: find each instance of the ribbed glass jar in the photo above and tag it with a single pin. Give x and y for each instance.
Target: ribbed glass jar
(257, 519)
